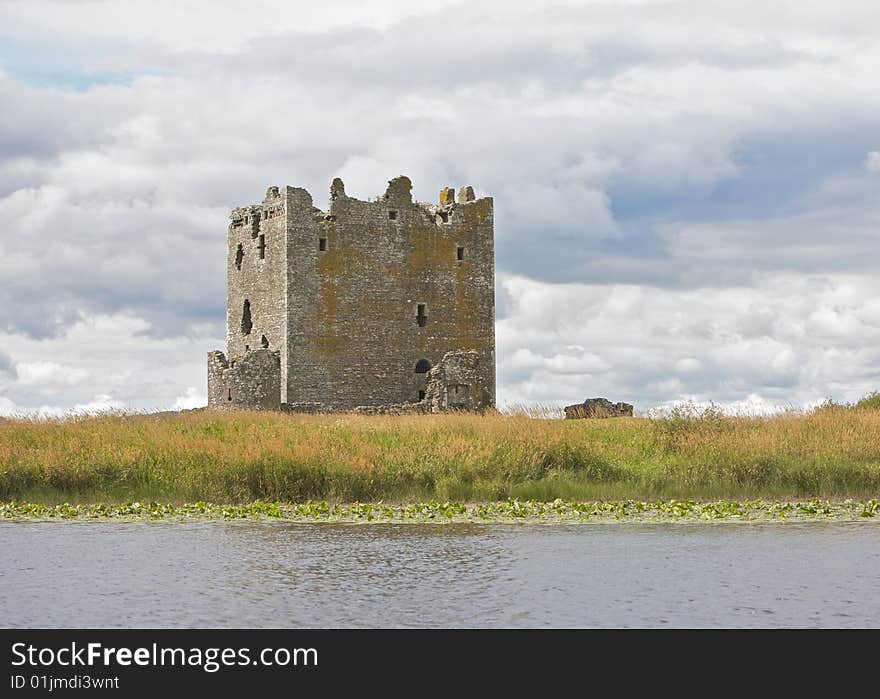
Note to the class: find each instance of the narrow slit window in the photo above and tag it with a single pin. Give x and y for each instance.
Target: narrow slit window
(262, 246)
(264, 342)
(421, 315)
(228, 394)
(246, 323)
(239, 256)
(421, 396)
(322, 244)
(459, 253)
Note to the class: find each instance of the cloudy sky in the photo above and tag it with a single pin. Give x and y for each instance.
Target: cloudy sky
(687, 193)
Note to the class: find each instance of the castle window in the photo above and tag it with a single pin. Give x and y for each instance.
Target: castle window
(442, 217)
(262, 246)
(264, 342)
(322, 244)
(239, 256)
(459, 254)
(246, 323)
(228, 394)
(392, 215)
(421, 396)
(423, 366)
(421, 315)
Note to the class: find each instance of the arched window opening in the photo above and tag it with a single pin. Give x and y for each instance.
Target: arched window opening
(246, 323)
(423, 366)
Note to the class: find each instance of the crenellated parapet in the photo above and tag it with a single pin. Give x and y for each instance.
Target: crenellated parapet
(397, 204)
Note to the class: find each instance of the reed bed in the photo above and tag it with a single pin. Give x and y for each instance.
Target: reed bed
(831, 452)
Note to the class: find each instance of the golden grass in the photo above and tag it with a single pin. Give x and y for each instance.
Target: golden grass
(238, 457)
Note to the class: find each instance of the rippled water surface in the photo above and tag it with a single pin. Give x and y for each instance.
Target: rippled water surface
(247, 574)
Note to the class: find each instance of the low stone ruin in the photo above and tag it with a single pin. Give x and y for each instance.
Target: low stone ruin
(596, 408)
(456, 383)
(249, 382)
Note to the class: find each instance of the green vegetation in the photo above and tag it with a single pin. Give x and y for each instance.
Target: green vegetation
(869, 402)
(558, 511)
(688, 453)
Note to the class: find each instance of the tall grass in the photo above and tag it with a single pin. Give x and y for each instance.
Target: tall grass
(235, 457)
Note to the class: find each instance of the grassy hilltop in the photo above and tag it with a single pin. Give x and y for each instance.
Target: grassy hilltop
(831, 452)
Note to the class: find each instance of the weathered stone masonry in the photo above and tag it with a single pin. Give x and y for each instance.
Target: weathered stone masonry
(252, 382)
(360, 304)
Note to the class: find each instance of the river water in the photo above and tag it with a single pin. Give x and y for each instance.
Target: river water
(271, 574)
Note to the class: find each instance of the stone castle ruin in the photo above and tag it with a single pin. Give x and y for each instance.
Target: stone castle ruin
(372, 306)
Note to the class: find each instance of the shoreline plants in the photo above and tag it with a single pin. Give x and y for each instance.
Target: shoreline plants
(686, 454)
(558, 511)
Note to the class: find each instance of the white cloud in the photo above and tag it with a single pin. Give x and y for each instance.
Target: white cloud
(687, 179)
(101, 403)
(750, 406)
(45, 375)
(192, 398)
(7, 407)
(655, 347)
(206, 26)
(109, 361)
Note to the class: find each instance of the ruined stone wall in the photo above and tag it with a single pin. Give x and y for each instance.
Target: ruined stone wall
(457, 383)
(355, 337)
(252, 382)
(256, 273)
(598, 408)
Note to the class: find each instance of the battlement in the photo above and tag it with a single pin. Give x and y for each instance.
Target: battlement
(361, 300)
(397, 194)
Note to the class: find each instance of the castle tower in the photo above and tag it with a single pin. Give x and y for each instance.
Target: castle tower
(357, 306)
